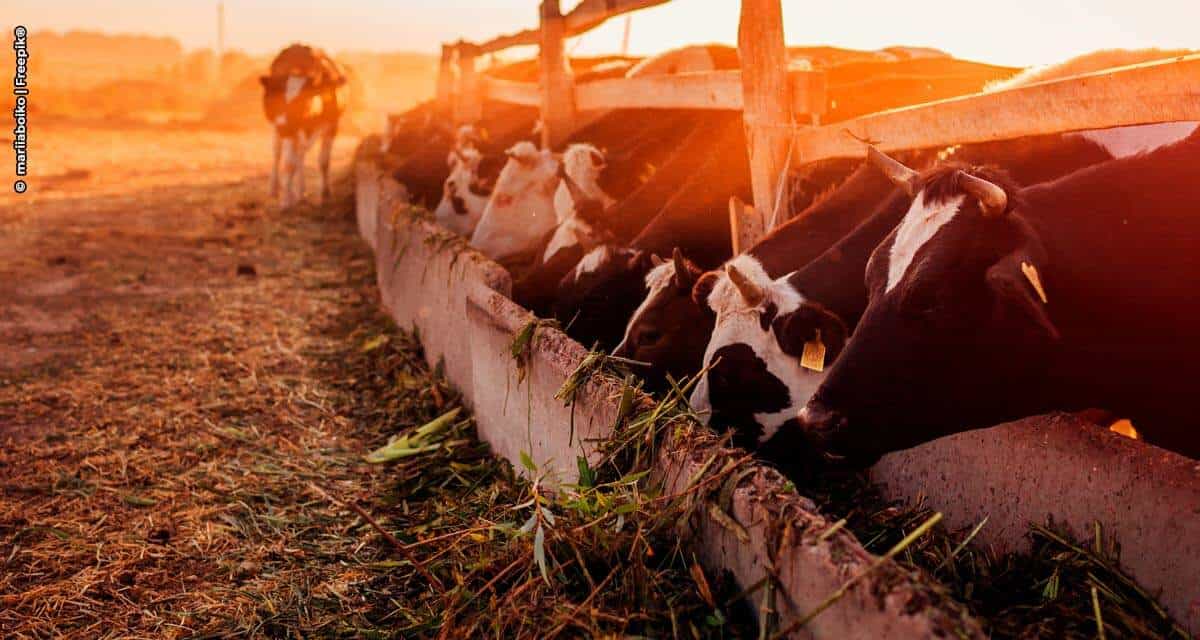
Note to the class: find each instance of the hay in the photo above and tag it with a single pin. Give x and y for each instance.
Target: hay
(1061, 588)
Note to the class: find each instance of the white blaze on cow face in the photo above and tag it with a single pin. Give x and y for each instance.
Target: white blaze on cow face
(593, 260)
(919, 225)
(520, 211)
(464, 173)
(293, 87)
(658, 280)
(738, 323)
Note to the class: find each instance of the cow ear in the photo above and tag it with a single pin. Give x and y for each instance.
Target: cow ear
(597, 158)
(1017, 286)
(703, 287)
(810, 323)
(683, 275)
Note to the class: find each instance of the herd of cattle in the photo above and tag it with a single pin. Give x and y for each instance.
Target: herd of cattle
(905, 298)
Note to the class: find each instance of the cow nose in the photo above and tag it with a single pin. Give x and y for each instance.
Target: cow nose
(622, 350)
(820, 422)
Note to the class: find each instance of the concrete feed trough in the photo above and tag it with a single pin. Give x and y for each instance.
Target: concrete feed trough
(1146, 499)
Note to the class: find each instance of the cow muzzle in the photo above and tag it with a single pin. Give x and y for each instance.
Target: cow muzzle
(820, 423)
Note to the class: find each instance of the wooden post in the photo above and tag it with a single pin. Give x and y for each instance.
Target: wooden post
(444, 100)
(767, 110)
(468, 105)
(557, 81)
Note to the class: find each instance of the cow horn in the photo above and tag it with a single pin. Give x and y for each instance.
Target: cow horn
(656, 261)
(895, 171)
(992, 199)
(751, 293)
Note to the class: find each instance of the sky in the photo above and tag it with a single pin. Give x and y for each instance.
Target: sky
(1015, 32)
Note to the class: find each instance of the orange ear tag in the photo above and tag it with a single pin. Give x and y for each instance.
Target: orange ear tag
(814, 354)
(1031, 275)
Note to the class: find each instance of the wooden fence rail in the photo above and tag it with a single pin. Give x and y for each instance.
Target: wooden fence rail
(774, 99)
(1162, 91)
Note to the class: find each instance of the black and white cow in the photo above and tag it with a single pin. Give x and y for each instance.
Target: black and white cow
(832, 283)
(989, 303)
(579, 202)
(465, 193)
(304, 97)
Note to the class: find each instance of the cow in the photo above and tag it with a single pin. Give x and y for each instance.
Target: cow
(520, 212)
(579, 201)
(991, 302)
(304, 97)
(651, 333)
(666, 311)
(465, 193)
(591, 303)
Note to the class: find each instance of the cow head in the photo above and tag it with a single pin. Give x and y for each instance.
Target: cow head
(756, 380)
(464, 194)
(669, 330)
(468, 136)
(579, 202)
(596, 298)
(520, 212)
(955, 319)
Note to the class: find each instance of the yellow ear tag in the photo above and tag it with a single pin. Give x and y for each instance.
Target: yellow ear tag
(814, 354)
(1031, 275)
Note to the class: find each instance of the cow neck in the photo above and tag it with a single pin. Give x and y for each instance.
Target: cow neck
(818, 228)
(1133, 212)
(836, 278)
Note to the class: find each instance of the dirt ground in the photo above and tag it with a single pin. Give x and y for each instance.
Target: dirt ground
(173, 353)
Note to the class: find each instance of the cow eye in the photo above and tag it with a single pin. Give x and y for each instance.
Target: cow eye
(650, 336)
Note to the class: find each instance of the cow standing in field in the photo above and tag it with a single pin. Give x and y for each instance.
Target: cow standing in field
(304, 97)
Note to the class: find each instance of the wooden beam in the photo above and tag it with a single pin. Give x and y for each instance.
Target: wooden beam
(745, 225)
(768, 105)
(717, 90)
(528, 37)
(444, 96)
(557, 81)
(592, 13)
(705, 90)
(1163, 91)
(585, 17)
(468, 107)
(522, 93)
